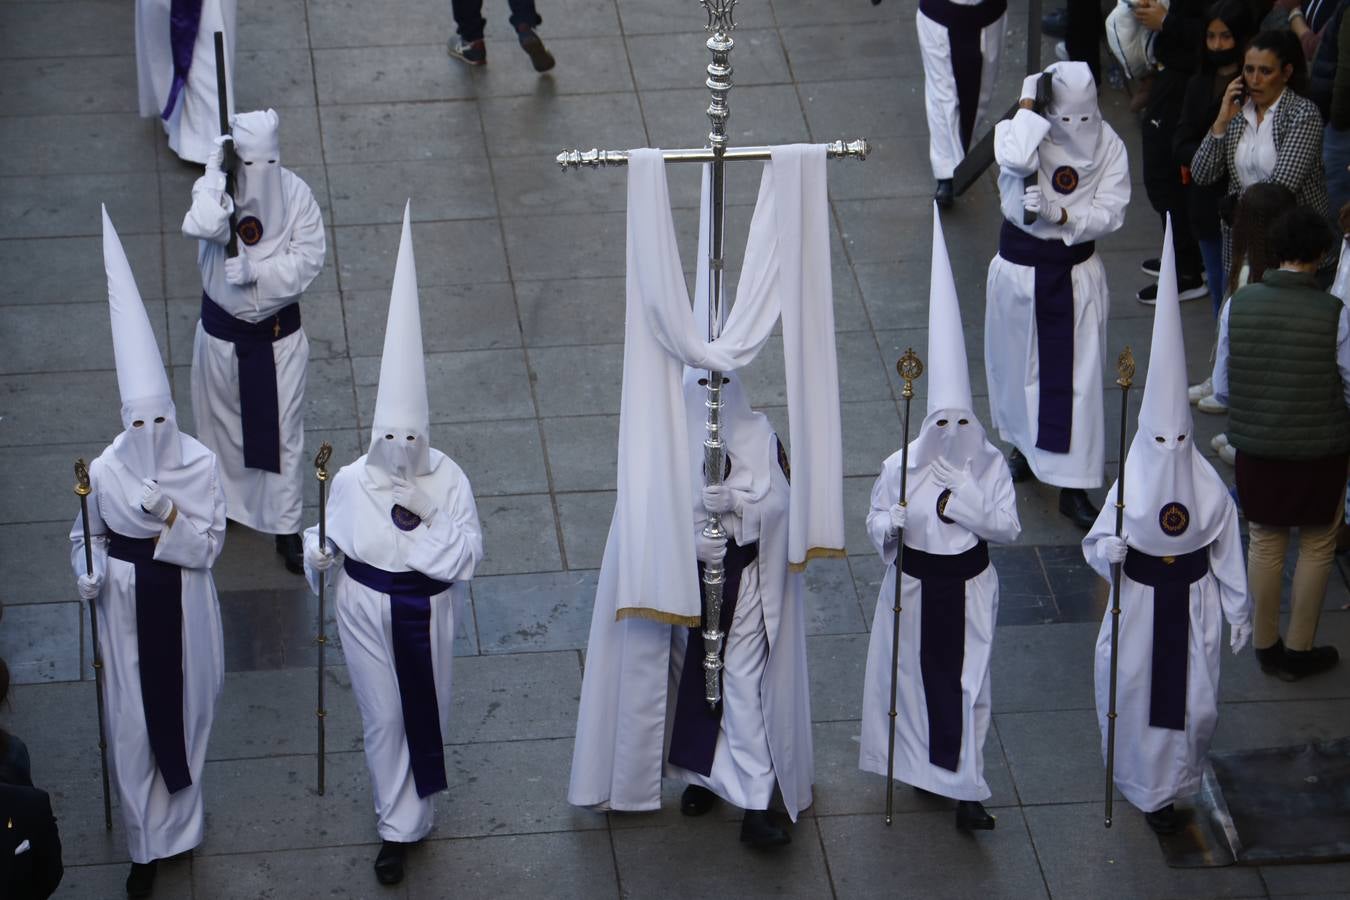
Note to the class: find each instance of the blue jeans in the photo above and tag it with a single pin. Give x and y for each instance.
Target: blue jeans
(1211, 252)
(470, 22)
(1335, 157)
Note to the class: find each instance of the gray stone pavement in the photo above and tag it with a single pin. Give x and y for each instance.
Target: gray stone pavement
(521, 273)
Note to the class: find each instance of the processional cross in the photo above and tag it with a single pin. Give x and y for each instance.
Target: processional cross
(716, 154)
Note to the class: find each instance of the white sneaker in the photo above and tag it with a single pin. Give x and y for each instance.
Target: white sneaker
(1197, 392)
(1228, 454)
(1212, 404)
(1219, 441)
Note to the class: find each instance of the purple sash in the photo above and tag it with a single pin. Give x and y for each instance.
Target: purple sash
(964, 25)
(259, 409)
(184, 18)
(410, 596)
(942, 641)
(159, 648)
(693, 737)
(1171, 578)
(1053, 262)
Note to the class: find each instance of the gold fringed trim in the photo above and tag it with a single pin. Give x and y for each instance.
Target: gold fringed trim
(817, 553)
(655, 615)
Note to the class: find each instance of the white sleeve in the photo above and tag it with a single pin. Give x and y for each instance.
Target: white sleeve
(98, 537)
(208, 218)
(991, 517)
(449, 546)
(290, 270)
(1225, 561)
(1107, 210)
(192, 544)
(879, 519)
(1017, 142)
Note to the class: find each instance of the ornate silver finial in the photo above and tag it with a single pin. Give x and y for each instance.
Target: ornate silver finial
(719, 14)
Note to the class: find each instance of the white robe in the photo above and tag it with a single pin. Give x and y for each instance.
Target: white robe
(986, 511)
(939, 87)
(446, 548)
(158, 824)
(632, 670)
(1154, 766)
(1010, 346)
(194, 122)
(266, 501)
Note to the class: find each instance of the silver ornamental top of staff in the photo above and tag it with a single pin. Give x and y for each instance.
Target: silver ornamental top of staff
(719, 14)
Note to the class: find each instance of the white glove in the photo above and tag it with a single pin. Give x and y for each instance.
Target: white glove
(898, 515)
(708, 550)
(240, 271)
(718, 498)
(947, 475)
(154, 502)
(1238, 636)
(89, 586)
(216, 159)
(1029, 86)
(413, 499)
(1112, 549)
(320, 559)
(1034, 201)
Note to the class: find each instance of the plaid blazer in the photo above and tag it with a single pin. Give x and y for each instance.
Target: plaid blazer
(1298, 152)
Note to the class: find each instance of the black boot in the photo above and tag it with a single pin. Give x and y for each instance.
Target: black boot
(1164, 821)
(759, 831)
(292, 551)
(1018, 466)
(944, 194)
(1074, 503)
(389, 862)
(971, 816)
(697, 800)
(1303, 663)
(141, 880)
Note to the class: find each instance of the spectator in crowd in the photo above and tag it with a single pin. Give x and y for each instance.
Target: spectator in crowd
(468, 46)
(1329, 88)
(30, 846)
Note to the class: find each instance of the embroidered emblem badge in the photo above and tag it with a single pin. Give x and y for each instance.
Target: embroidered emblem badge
(783, 461)
(250, 230)
(942, 506)
(404, 519)
(1065, 179)
(1174, 518)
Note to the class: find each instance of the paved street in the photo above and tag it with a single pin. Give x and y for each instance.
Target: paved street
(521, 278)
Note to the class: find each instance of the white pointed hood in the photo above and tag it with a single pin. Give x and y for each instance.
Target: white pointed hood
(152, 445)
(401, 431)
(259, 195)
(1174, 500)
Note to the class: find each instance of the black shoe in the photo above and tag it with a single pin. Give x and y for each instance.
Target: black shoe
(141, 880)
(971, 816)
(1055, 23)
(389, 862)
(697, 800)
(1303, 663)
(540, 58)
(1189, 287)
(759, 831)
(292, 551)
(1018, 467)
(1272, 661)
(1074, 503)
(1164, 821)
(943, 195)
(1151, 266)
(473, 53)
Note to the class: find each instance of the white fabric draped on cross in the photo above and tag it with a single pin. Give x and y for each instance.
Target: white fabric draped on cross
(786, 273)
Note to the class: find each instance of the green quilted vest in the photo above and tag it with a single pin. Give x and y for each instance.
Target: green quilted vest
(1285, 398)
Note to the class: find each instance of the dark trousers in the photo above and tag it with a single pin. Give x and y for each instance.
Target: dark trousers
(469, 21)
(1083, 36)
(1162, 173)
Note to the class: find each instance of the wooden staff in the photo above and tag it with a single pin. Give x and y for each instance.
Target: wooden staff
(321, 473)
(227, 164)
(1124, 378)
(82, 490)
(910, 368)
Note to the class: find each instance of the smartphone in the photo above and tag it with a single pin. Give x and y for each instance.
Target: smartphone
(1242, 95)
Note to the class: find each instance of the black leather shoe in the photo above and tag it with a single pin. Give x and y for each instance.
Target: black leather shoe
(1272, 661)
(292, 551)
(1019, 467)
(971, 816)
(1164, 821)
(1302, 663)
(759, 831)
(697, 800)
(389, 862)
(141, 880)
(944, 194)
(1074, 503)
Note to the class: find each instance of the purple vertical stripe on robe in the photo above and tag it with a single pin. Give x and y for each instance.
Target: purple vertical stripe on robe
(1171, 578)
(185, 17)
(410, 596)
(942, 642)
(1053, 262)
(259, 408)
(693, 737)
(159, 648)
(964, 25)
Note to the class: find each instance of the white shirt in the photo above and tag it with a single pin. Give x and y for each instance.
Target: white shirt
(1255, 154)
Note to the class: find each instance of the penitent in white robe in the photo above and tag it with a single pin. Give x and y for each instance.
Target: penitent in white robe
(446, 548)
(266, 501)
(193, 123)
(158, 824)
(1154, 766)
(1012, 366)
(945, 149)
(982, 509)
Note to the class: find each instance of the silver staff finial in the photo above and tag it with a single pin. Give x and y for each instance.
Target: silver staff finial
(719, 14)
